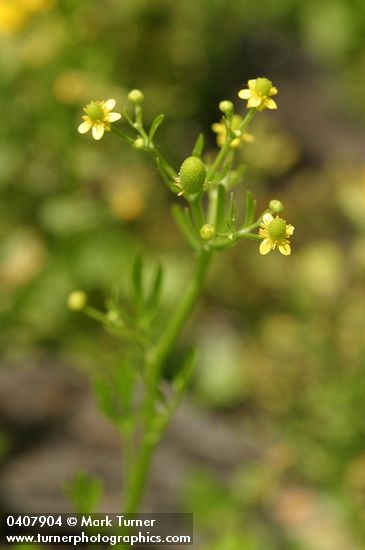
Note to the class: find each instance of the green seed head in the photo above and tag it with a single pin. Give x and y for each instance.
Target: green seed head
(276, 206)
(207, 232)
(263, 86)
(277, 229)
(95, 111)
(192, 175)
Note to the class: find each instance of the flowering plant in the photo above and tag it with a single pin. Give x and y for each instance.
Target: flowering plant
(210, 223)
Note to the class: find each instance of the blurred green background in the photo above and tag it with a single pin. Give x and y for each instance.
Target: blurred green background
(281, 340)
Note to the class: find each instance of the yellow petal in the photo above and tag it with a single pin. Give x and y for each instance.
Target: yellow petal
(98, 131)
(265, 247)
(113, 117)
(273, 90)
(252, 83)
(289, 230)
(110, 104)
(221, 139)
(267, 218)
(248, 138)
(245, 94)
(270, 103)
(218, 127)
(254, 102)
(85, 126)
(235, 143)
(284, 248)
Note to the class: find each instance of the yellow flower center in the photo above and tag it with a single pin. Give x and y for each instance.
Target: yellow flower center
(95, 111)
(262, 86)
(277, 229)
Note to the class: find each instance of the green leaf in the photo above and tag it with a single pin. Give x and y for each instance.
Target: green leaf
(199, 146)
(183, 220)
(185, 374)
(221, 208)
(220, 176)
(84, 492)
(114, 388)
(155, 292)
(250, 209)
(137, 282)
(155, 124)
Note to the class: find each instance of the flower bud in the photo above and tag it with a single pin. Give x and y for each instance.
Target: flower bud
(276, 206)
(138, 143)
(113, 316)
(226, 106)
(77, 300)
(207, 232)
(136, 96)
(192, 175)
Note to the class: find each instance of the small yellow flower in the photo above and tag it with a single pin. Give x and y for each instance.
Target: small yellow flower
(259, 94)
(220, 129)
(98, 117)
(275, 232)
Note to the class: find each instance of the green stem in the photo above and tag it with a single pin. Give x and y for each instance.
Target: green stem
(155, 361)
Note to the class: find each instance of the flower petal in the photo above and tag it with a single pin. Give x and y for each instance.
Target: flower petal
(248, 138)
(265, 247)
(284, 248)
(273, 90)
(289, 230)
(254, 101)
(110, 104)
(218, 127)
(252, 83)
(245, 94)
(267, 218)
(270, 103)
(84, 126)
(113, 117)
(98, 131)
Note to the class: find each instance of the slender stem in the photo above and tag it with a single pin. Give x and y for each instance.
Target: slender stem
(155, 361)
(124, 137)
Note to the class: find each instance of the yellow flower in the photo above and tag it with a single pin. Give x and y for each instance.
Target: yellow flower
(98, 117)
(259, 94)
(275, 232)
(220, 129)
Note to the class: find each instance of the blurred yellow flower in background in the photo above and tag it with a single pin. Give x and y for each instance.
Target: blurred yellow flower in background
(98, 117)
(15, 13)
(221, 130)
(275, 232)
(259, 94)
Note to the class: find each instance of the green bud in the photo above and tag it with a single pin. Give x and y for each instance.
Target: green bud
(136, 96)
(226, 106)
(138, 143)
(192, 175)
(113, 316)
(263, 86)
(207, 232)
(77, 300)
(276, 206)
(277, 229)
